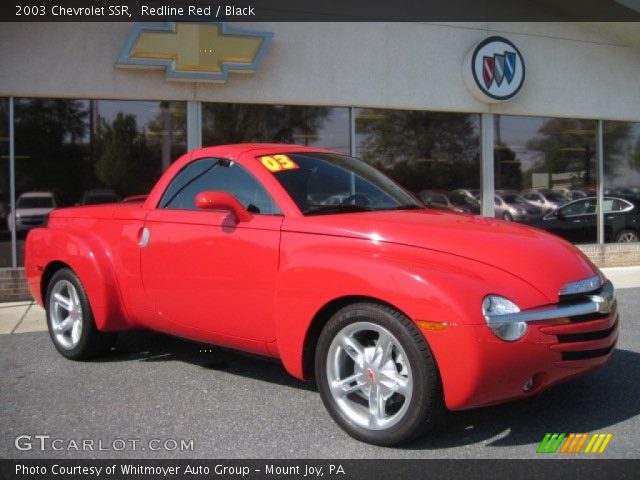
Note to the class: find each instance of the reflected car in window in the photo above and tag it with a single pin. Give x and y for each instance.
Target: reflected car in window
(96, 197)
(621, 192)
(544, 199)
(466, 198)
(135, 199)
(456, 202)
(32, 209)
(576, 221)
(512, 207)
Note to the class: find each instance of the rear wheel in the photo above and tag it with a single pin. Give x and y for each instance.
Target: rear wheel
(507, 217)
(376, 375)
(70, 321)
(628, 236)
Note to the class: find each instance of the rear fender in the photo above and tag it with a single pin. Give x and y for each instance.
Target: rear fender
(88, 256)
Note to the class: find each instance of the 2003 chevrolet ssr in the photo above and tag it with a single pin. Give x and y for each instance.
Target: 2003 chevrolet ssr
(319, 260)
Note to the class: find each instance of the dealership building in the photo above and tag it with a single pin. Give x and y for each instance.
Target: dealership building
(455, 112)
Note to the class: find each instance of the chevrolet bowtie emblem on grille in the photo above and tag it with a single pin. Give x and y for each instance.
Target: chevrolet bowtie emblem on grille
(194, 51)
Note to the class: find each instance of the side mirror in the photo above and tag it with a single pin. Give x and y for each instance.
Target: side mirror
(223, 201)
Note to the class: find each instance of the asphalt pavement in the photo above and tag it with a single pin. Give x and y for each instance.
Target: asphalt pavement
(160, 397)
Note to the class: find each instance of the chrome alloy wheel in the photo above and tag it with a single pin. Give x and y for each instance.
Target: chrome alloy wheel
(628, 237)
(369, 375)
(65, 314)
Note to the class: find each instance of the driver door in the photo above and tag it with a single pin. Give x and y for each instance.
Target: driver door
(206, 274)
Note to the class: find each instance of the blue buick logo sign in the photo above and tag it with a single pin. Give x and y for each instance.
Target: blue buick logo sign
(494, 70)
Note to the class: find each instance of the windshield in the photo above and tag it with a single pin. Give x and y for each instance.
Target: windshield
(34, 202)
(322, 183)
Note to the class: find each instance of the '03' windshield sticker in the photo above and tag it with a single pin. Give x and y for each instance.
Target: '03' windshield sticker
(277, 163)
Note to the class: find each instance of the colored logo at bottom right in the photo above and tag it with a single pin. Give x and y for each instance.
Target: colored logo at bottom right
(573, 443)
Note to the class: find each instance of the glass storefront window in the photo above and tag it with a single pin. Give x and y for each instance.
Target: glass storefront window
(224, 123)
(621, 205)
(435, 155)
(79, 152)
(5, 207)
(75, 152)
(541, 166)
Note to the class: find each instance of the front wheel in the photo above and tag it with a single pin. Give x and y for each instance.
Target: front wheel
(376, 375)
(70, 320)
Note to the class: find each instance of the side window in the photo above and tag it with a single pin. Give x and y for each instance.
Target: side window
(210, 174)
(612, 205)
(581, 207)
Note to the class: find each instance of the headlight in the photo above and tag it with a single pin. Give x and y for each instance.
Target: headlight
(493, 306)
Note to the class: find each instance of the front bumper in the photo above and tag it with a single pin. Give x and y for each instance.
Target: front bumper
(479, 369)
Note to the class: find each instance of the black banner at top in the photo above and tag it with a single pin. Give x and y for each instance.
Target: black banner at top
(321, 10)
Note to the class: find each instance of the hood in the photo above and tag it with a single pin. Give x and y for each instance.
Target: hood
(543, 260)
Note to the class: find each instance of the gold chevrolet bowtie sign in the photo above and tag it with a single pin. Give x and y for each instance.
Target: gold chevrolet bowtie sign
(194, 51)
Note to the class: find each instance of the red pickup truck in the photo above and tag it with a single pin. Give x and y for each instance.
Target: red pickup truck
(319, 260)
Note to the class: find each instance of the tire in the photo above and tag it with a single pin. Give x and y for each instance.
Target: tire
(70, 321)
(507, 217)
(628, 236)
(396, 417)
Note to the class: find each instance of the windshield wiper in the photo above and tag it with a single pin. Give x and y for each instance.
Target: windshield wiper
(324, 209)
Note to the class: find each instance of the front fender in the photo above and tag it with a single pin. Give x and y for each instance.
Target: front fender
(425, 285)
(89, 257)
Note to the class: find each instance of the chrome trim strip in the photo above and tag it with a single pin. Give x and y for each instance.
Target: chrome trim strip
(581, 286)
(601, 303)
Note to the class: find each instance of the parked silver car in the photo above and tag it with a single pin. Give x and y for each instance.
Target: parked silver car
(511, 206)
(544, 199)
(32, 209)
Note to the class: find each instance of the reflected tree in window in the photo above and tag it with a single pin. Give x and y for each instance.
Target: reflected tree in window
(52, 147)
(237, 123)
(567, 146)
(166, 134)
(508, 167)
(124, 162)
(421, 150)
(622, 159)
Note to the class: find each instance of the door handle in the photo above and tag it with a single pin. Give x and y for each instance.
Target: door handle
(144, 235)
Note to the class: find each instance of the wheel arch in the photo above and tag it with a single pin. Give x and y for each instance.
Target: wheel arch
(631, 228)
(323, 315)
(48, 273)
(48, 250)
